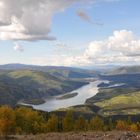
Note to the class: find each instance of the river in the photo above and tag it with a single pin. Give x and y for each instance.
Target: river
(84, 93)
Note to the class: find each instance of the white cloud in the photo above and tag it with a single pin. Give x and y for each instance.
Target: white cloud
(120, 48)
(59, 60)
(18, 47)
(30, 19)
(55, 60)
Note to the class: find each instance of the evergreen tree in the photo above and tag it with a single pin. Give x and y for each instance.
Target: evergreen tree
(110, 124)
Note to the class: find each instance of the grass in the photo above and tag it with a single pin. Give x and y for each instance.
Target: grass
(109, 93)
(128, 99)
(122, 104)
(39, 77)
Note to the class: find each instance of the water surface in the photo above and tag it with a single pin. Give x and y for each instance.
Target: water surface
(84, 93)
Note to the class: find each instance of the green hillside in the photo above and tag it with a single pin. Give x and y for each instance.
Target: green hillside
(41, 78)
(30, 84)
(59, 71)
(122, 104)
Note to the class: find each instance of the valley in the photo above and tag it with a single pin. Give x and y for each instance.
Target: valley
(87, 101)
(69, 70)
(16, 85)
(84, 92)
(63, 88)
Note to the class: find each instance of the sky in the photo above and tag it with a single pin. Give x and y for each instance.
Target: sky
(70, 32)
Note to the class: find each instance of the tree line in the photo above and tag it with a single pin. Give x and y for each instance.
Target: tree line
(23, 120)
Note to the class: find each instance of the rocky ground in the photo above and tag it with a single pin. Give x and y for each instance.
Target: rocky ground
(114, 135)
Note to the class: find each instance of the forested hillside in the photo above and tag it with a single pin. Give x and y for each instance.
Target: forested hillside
(27, 121)
(18, 85)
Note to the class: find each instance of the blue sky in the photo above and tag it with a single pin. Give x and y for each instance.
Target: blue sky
(79, 42)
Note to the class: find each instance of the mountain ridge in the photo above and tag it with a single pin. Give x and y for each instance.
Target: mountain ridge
(124, 70)
(69, 72)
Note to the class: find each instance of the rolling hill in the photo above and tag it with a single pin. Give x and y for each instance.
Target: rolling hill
(128, 104)
(124, 70)
(59, 71)
(22, 84)
(28, 82)
(118, 100)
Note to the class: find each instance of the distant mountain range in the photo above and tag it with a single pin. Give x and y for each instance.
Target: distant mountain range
(58, 71)
(72, 72)
(124, 70)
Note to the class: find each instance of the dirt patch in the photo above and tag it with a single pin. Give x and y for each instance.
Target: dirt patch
(113, 135)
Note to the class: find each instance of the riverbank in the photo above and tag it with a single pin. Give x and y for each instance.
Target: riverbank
(84, 92)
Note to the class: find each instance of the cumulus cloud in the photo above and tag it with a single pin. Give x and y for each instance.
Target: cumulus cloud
(121, 42)
(59, 60)
(18, 47)
(52, 60)
(121, 47)
(29, 19)
(84, 16)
